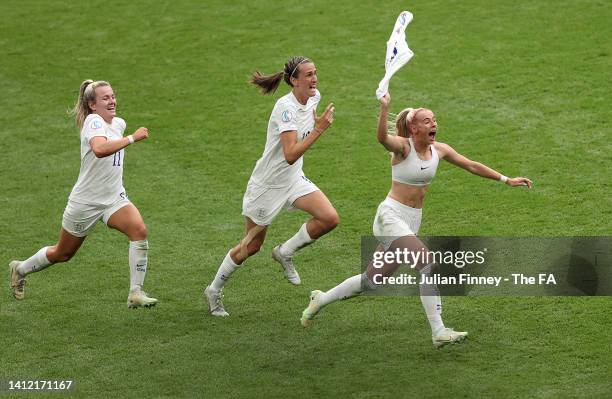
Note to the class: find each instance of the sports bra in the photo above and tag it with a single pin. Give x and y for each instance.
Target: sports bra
(413, 170)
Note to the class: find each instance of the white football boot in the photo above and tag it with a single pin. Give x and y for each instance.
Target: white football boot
(138, 298)
(215, 301)
(313, 308)
(287, 264)
(448, 336)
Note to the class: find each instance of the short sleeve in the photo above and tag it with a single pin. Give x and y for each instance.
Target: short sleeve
(120, 123)
(287, 118)
(93, 127)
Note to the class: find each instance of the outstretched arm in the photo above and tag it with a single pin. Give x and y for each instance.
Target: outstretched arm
(294, 149)
(393, 144)
(449, 154)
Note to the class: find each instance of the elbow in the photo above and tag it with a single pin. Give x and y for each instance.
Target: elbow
(382, 138)
(290, 157)
(475, 168)
(99, 153)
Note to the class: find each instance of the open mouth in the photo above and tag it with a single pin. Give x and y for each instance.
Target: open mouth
(432, 134)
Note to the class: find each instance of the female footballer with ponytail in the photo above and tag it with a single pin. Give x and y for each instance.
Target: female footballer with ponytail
(97, 195)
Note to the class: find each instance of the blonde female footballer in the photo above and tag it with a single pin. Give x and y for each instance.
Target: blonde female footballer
(97, 194)
(413, 166)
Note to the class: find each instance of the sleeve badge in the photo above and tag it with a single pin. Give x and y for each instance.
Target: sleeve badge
(286, 116)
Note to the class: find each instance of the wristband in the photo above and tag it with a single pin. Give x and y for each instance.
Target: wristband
(130, 139)
(503, 179)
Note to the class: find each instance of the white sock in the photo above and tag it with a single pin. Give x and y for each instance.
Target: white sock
(137, 256)
(432, 303)
(300, 240)
(35, 263)
(228, 266)
(347, 289)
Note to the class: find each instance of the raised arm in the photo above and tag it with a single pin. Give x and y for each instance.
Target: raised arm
(393, 144)
(102, 147)
(294, 149)
(449, 154)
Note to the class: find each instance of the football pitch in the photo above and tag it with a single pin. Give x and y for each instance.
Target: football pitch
(522, 86)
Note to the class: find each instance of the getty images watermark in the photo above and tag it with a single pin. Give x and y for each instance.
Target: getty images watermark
(493, 266)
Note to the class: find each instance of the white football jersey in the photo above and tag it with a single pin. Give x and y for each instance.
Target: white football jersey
(100, 180)
(272, 170)
(398, 52)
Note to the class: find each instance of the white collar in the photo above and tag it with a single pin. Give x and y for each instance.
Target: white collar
(299, 104)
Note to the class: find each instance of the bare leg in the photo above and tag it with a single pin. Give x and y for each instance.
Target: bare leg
(248, 246)
(324, 219)
(65, 249)
(324, 216)
(62, 251)
(129, 221)
(255, 236)
(411, 243)
(429, 293)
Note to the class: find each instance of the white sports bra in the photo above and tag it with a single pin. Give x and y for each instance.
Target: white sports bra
(413, 170)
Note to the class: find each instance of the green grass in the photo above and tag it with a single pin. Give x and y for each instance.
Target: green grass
(521, 86)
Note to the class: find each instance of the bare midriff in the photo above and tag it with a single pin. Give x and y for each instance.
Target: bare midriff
(412, 196)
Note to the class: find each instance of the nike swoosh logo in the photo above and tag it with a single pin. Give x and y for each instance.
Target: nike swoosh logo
(423, 168)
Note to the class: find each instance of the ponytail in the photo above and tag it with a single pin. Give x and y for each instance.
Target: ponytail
(87, 94)
(269, 83)
(403, 120)
(401, 124)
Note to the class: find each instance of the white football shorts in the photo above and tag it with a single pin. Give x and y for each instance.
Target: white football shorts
(79, 219)
(262, 204)
(393, 220)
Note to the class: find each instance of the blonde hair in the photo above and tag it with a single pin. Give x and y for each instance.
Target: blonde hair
(399, 125)
(87, 94)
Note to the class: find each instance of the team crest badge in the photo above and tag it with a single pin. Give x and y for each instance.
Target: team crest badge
(286, 116)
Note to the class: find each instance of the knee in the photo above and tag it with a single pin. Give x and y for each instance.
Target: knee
(331, 220)
(57, 255)
(139, 233)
